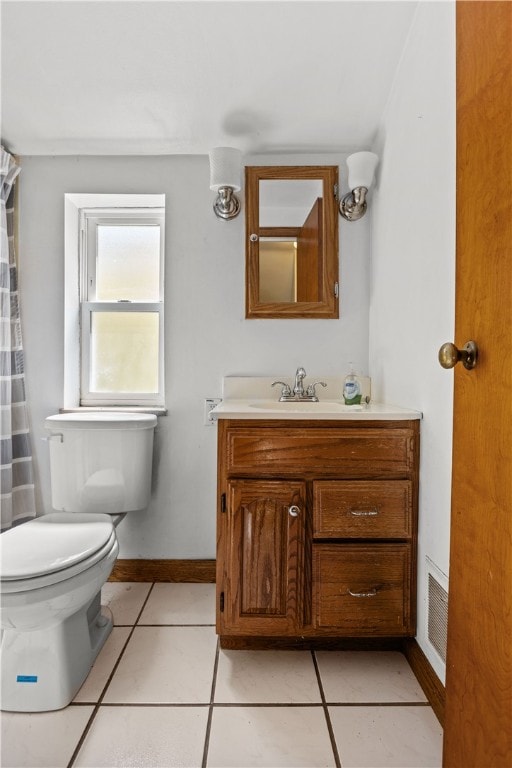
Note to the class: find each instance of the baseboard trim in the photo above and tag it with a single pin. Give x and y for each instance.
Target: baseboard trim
(432, 686)
(199, 571)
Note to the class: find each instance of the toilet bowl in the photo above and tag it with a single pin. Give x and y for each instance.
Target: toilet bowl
(53, 567)
(50, 608)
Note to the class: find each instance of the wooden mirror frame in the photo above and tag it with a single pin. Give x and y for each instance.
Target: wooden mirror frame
(327, 307)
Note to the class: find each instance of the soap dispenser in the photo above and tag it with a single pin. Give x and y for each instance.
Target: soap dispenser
(351, 388)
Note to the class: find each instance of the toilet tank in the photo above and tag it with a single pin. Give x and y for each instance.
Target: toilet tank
(100, 462)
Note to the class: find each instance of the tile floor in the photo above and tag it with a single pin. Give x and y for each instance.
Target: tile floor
(161, 695)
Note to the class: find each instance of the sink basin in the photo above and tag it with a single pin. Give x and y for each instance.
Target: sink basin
(307, 407)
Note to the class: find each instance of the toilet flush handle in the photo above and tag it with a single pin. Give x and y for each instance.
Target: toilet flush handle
(51, 437)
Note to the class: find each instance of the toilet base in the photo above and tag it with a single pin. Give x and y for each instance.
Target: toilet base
(43, 670)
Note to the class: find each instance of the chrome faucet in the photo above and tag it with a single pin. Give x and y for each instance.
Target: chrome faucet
(298, 394)
(298, 388)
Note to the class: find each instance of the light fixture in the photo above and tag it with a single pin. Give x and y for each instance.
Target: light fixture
(225, 164)
(361, 167)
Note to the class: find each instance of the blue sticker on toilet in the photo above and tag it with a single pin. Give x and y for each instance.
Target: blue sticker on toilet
(26, 678)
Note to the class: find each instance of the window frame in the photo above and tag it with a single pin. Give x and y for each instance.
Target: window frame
(91, 217)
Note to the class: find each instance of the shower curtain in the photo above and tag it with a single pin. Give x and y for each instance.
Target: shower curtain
(16, 475)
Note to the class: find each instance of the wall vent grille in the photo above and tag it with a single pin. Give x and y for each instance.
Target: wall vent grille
(437, 615)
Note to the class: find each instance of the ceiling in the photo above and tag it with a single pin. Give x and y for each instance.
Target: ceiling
(165, 77)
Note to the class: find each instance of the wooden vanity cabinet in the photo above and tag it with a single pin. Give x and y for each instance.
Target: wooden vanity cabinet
(317, 528)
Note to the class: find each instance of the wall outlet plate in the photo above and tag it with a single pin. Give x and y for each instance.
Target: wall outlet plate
(209, 404)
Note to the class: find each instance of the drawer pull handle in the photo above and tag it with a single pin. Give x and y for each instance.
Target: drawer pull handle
(371, 593)
(364, 512)
(294, 510)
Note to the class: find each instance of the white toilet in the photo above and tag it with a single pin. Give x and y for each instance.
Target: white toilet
(53, 567)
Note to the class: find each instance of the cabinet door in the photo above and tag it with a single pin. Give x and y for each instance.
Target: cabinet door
(264, 536)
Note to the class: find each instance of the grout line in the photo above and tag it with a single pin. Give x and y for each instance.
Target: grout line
(210, 710)
(378, 704)
(153, 704)
(232, 704)
(102, 694)
(175, 625)
(326, 713)
(144, 604)
(268, 704)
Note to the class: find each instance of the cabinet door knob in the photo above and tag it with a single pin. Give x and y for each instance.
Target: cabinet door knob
(370, 593)
(294, 510)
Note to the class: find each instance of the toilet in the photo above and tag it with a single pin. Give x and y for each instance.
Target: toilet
(53, 567)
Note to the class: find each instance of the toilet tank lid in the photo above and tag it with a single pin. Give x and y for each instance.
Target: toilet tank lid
(100, 420)
(52, 543)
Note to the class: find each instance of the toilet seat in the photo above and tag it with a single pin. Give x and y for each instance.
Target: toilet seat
(53, 548)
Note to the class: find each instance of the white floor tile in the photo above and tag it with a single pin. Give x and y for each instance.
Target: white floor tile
(165, 665)
(367, 677)
(266, 677)
(125, 599)
(387, 737)
(269, 737)
(180, 604)
(102, 668)
(170, 665)
(42, 739)
(145, 737)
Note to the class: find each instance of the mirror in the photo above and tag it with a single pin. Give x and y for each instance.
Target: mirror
(291, 242)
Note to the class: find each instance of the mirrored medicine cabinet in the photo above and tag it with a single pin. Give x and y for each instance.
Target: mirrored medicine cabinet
(291, 242)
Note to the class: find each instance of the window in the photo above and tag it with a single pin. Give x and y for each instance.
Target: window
(120, 306)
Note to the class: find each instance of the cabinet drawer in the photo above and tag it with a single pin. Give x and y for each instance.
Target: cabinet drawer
(362, 510)
(362, 589)
(337, 451)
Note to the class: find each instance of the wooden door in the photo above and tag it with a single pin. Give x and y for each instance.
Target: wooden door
(263, 588)
(478, 725)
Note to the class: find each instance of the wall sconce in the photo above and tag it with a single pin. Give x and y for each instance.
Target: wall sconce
(225, 164)
(361, 167)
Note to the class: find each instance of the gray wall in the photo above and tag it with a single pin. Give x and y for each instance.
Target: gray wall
(413, 271)
(206, 335)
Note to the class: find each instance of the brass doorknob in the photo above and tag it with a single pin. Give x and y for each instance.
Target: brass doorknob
(449, 355)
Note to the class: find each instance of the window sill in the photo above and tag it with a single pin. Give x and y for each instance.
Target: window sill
(156, 410)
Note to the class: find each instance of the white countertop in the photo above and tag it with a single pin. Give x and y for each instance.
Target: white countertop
(261, 408)
(252, 397)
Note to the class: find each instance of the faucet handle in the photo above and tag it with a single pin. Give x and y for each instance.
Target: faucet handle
(286, 391)
(310, 392)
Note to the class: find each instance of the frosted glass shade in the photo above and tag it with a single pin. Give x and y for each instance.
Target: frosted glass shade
(361, 167)
(225, 165)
